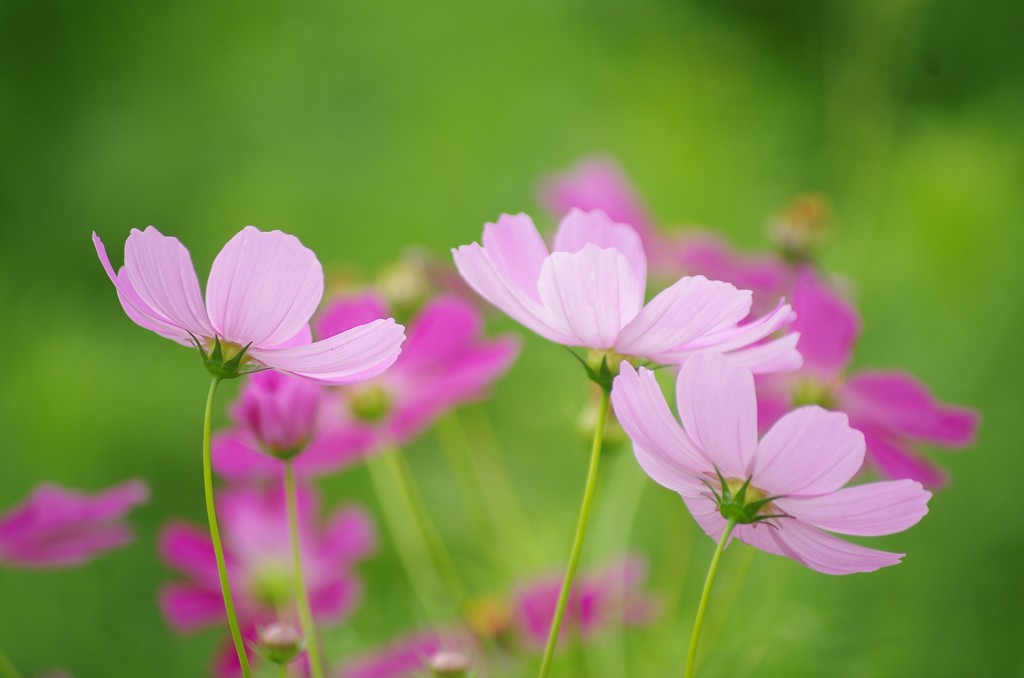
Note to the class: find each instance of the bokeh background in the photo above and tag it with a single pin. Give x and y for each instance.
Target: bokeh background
(366, 127)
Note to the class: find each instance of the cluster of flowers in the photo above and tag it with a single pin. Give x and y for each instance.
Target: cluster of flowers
(743, 359)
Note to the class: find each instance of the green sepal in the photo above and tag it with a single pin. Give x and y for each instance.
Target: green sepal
(602, 376)
(215, 363)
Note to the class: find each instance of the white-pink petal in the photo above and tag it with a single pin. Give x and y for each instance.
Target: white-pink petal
(809, 451)
(719, 412)
(263, 287)
(517, 251)
(662, 449)
(354, 355)
(578, 229)
(592, 294)
(828, 554)
(689, 309)
(865, 510)
(777, 355)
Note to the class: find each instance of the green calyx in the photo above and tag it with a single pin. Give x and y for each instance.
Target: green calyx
(812, 392)
(371, 404)
(602, 366)
(224, 360)
(742, 503)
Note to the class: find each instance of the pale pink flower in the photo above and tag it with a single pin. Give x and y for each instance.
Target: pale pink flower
(895, 412)
(793, 478)
(56, 527)
(407, 656)
(257, 551)
(589, 292)
(598, 601)
(263, 288)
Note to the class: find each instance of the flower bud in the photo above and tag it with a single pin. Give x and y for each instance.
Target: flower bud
(280, 643)
(448, 664)
(799, 230)
(281, 411)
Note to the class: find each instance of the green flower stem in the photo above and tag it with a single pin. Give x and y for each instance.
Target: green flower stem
(691, 656)
(218, 549)
(7, 669)
(399, 469)
(282, 671)
(581, 530)
(412, 552)
(305, 611)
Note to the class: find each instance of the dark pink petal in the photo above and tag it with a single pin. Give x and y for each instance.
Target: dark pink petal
(774, 398)
(335, 600)
(445, 327)
(827, 323)
(592, 294)
(279, 410)
(355, 355)
(189, 550)
(263, 287)
(809, 451)
(579, 229)
(899, 403)
(719, 412)
(865, 510)
(187, 607)
(686, 311)
(822, 552)
(236, 456)
(662, 449)
(350, 311)
(160, 271)
(335, 448)
(350, 536)
(896, 460)
(517, 251)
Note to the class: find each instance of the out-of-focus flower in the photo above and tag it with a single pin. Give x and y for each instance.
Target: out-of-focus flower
(799, 230)
(785, 493)
(280, 643)
(589, 292)
(56, 527)
(263, 288)
(895, 412)
(598, 600)
(257, 550)
(408, 656)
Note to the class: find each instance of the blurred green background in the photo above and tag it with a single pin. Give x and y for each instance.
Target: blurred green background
(365, 127)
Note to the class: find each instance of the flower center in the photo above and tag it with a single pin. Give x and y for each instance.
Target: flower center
(370, 404)
(272, 584)
(813, 392)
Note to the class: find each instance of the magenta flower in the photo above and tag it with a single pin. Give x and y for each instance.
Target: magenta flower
(56, 527)
(408, 656)
(785, 492)
(262, 290)
(279, 417)
(589, 292)
(597, 601)
(895, 412)
(257, 549)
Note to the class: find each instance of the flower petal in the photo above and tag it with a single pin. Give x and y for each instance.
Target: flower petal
(897, 459)
(719, 412)
(822, 552)
(355, 355)
(777, 355)
(898, 402)
(517, 251)
(684, 312)
(578, 229)
(349, 311)
(865, 510)
(827, 323)
(593, 293)
(263, 287)
(809, 451)
(189, 550)
(187, 607)
(662, 449)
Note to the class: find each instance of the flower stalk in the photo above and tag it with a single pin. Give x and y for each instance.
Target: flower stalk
(301, 594)
(581, 530)
(698, 623)
(7, 669)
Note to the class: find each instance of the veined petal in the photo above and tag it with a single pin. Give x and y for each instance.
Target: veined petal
(689, 309)
(593, 293)
(355, 355)
(822, 552)
(865, 510)
(809, 451)
(263, 287)
(487, 279)
(578, 229)
(517, 251)
(662, 448)
(344, 313)
(827, 323)
(777, 355)
(719, 411)
(725, 338)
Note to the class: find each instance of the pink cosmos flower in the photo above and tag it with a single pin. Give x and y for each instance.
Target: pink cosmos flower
(262, 290)
(277, 417)
(406, 657)
(590, 292)
(597, 601)
(786, 490)
(895, 412)
(56, 527)
(257, 549)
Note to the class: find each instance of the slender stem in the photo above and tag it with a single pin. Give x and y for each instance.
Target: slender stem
(691, 656)
(305, 611)
(413, 501)
(581, 530)
(7, 669)
(218, 549)
(282, 671)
